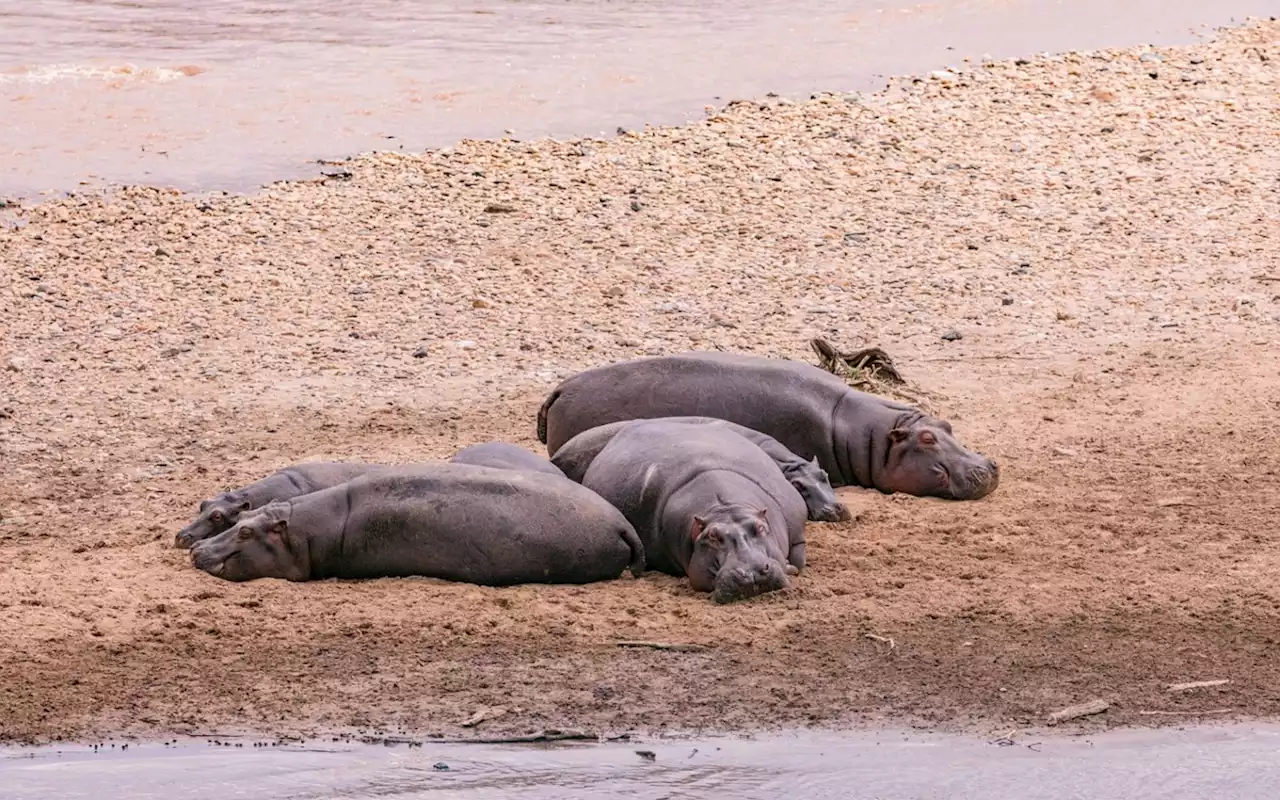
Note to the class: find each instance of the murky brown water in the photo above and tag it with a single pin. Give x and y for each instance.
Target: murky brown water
(228, 94)
(1237, 762)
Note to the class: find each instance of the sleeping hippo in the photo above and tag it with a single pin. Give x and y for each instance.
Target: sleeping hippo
(808, 478)
(707, 503)
(219, 513)
(860, 439)
(459, 522)
(501, 455)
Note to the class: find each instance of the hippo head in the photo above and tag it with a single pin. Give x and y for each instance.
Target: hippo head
(811, 481)
(926, 460)
(215, 516)
(259, 545)
(734, 556)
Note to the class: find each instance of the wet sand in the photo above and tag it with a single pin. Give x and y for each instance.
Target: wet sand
(1231, 761)
(227, 95)
(1099, 228)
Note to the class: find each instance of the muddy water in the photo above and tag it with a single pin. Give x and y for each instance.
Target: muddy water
(228, 94)
(1239, 762)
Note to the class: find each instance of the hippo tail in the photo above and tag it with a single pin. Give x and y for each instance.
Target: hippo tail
(542, 414)
(636, 567)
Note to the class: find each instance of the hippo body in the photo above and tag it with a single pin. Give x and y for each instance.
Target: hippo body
(219, 513)
(458, 522)
(706, 503)
(860, 439)
(501, 455)
(575, 456)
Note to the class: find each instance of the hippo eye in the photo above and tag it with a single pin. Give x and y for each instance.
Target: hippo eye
(927, 437)
(245, 534)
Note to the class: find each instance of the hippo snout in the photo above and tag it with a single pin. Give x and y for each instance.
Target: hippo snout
(980, 481)
(203, 558)
(836, 512)
(744, 582)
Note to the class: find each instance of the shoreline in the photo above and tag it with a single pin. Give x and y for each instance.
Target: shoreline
(167, 344)
(217, 155)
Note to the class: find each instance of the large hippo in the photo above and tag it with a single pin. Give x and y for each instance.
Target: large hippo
(575, 456)
(219, 513)
(501, 455)
(860, 439)
(706, 503)
(459, 522)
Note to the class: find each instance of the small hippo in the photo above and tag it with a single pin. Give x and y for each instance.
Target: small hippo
(459, 522)
(501, 455)
(808, 478)
(219, 513)
(860, 439)
(706, 503)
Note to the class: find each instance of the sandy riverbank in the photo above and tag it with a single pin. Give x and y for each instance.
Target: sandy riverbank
(1100, 228)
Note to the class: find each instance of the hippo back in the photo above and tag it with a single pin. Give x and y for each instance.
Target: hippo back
(502, 455)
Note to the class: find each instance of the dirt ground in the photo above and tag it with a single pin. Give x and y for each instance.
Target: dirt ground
(1103, 231)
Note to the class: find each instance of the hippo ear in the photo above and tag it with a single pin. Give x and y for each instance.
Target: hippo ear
(898, 435)
(815, 463)
(695, 531)
(280, 527)
(244, 506)
(762, 513)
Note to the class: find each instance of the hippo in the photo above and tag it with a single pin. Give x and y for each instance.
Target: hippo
(219, 513)
(459, 522)
(707, 503)
(501, 455)
(808, 478)
(860, 439)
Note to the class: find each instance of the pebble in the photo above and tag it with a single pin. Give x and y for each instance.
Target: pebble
(16, 364)
(952, 335)
(465, 344)
(421, 352)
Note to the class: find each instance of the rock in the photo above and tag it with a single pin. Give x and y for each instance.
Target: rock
(647, 755)
(952, 335)
(1150, 56)
(16, 364)
(465, 344)
(499, 208)
(480, 302)
(359, 288)
(614, 291)
(421, 352)
(943, 75)
(160, 251)
(1006, 301)
(440, 766)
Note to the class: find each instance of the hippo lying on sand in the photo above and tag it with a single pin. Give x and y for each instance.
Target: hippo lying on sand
(860, 439)
(219, 513)
(459, 522)
(501, 455)
(576, 455)
(707, 503)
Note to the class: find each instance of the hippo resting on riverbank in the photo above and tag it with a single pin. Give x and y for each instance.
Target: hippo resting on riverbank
(459, 522)
(576, 455)
(706, 503)
(219, 513)
(501, 455)
(860, 439)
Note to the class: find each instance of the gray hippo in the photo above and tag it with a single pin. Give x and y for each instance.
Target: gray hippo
(860, 439)
(459, 522)
(219, 513)
(575, 456)
(706, 503)
(501, 455)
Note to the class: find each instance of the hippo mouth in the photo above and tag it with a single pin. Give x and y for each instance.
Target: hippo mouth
(207, 562)
(743, 584)
(976, 484)
(835, 513)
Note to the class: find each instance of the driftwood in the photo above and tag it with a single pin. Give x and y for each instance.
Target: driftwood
(1075, 712)
(870, 370)
(674, 647)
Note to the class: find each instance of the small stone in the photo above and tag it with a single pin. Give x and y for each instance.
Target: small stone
(614, 291)
(952, 335)
(421, 352)
(499, 208)
(16, 364)
(466, 344)
(1150, 56)
(943, 75)
(480, 302)
(1006, 301)
(160, 251)
(359, 288)
(440, 766)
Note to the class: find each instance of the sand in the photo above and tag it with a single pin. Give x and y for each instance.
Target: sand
(1101, 229)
